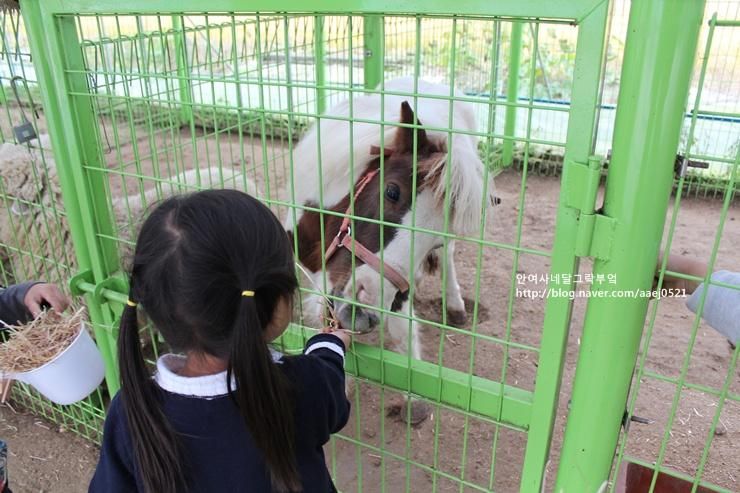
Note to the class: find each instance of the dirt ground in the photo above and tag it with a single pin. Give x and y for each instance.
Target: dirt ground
(42, 459)
(696, 227)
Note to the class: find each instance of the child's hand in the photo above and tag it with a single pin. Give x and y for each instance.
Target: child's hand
(683, 265)
(43, 294)
(345, 336)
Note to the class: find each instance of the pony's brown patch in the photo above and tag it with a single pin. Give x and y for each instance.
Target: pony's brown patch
(310, 251)
(396, 194)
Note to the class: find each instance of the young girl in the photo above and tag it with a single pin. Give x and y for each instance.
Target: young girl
(214, 272)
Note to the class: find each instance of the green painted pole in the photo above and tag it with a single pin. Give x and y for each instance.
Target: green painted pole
(75, 140)
(578, 148)
(373, 48)
(185, 89)
(319, 61)
(658, 62)
(512, 91)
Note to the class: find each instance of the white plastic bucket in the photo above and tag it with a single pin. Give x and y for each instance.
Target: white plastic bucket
(72, 375)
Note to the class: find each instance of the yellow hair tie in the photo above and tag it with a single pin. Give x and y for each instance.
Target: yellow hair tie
(248, 293)
(131, 303)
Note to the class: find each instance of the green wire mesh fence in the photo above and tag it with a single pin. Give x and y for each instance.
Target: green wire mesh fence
(235, 125)
(686, 384)
(34, 233)
(174, 103)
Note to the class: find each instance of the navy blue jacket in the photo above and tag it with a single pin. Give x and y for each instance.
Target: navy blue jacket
(13, 310)
(221, 455)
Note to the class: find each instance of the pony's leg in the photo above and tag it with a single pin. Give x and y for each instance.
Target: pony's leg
(398, 328)
(456, 314)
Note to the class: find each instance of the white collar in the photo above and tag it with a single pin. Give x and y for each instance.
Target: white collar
(206, 387)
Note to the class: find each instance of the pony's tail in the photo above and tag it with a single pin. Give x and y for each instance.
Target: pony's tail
(156, 449)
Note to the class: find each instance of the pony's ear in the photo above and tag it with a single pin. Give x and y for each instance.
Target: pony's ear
(404, 142)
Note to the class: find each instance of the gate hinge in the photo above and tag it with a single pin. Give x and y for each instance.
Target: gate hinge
(582, 184)
(595, 236)
(595, 231)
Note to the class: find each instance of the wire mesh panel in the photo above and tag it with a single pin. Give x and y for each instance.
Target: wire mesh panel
(686, 384)
(716, 122)
(273, 103)
(34, 234)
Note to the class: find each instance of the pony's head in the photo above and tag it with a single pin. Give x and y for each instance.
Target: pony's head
(411, 193)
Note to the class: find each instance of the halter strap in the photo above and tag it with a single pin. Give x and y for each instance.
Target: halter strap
(344, 239)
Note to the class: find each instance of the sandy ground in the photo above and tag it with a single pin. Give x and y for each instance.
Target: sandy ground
(43, 457)
(486, 455)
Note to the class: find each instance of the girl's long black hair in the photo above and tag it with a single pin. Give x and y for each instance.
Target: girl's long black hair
(194, 256)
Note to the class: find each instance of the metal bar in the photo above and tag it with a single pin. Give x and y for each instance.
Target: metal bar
(658, 60)
(320, 65)
(184, 83)
(551, 9)
(727, 23)
(54, 43)
(479, 396)
(648, 335)
(373, 48)
(512, 91)
(579, 145)
(108, 295)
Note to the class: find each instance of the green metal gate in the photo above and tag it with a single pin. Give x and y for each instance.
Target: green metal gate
(34, 229)
(691, 431)
(144, 100)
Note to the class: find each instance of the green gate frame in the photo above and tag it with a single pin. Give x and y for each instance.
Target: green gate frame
(624, 238)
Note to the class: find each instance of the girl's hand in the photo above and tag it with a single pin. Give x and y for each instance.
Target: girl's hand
(683, 265)
(345, 336)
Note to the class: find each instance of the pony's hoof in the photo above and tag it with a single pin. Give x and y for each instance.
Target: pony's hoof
(420, 411)
(457, 318)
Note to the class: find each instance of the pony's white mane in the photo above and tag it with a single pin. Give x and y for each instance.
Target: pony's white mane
(469, 193)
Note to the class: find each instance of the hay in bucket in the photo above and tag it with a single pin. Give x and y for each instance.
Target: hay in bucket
(34, 344)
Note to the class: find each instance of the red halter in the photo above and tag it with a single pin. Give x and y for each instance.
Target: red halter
(344, 239)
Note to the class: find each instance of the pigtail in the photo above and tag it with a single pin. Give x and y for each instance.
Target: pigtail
(263, 396)
(156, 449)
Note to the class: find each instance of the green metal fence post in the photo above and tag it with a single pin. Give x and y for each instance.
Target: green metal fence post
(658, 61)
(512, 92)
(183, 72)
(373, 46)
(579, 145)
(319, 63)
(75, 139)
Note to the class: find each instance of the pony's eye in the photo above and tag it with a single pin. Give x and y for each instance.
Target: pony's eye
(392, 192)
